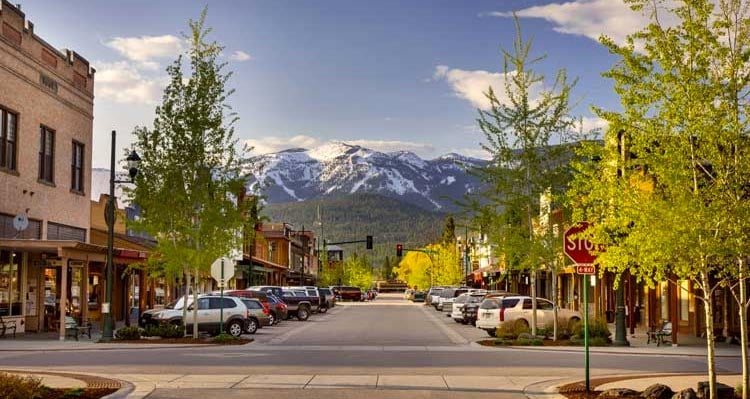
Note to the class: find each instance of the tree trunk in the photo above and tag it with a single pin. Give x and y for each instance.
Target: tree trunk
(555, 301)
(533, 302)
(743, 327)
(710, 340)
(195, 308)
(186, 298)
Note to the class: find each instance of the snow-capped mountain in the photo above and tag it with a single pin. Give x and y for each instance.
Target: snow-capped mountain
(339, 168)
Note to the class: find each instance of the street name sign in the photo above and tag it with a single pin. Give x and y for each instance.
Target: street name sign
(585, 269)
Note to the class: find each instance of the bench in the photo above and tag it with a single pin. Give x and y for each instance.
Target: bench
(75, 330)
(661, 334)
(6, 325)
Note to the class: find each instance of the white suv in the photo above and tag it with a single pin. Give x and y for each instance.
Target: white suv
(210, 310)
(468, 297)
(493, 312)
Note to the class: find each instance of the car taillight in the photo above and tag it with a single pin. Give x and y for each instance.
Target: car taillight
(502, 314)
(247, 313)
(266, 309)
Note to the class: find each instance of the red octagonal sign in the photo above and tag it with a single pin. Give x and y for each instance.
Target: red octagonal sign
(580, 250)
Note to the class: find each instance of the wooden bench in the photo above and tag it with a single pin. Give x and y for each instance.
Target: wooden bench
(659, 335)
(6, 325)
(75, 330)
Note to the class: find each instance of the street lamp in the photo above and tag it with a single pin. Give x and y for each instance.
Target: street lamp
(133, 161)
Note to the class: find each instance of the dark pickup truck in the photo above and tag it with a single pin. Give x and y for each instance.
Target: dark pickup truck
(299, 303)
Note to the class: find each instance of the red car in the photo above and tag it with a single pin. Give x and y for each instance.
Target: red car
(350, 293)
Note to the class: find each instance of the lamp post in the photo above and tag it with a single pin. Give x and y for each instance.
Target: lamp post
(133, 162)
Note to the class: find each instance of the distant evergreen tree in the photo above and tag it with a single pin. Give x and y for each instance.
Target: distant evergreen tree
(449, 231)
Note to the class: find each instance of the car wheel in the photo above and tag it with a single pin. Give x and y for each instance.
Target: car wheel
(303, 313)
(235, 328)
(176, 322)
(522, 323)
(464, 321)
(252, 326)
(474, 323)
(271, 319)
(323, 309)
(491, 333)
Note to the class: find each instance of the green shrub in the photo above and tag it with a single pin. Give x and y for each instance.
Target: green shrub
(128, 333)
(597, 329)
(165, 331)
(21, 387)
(503, 342)
(224, 338)
(520, 327)
(73, 393)
(522, 342)
(598, 341)
(506, 331)
(537, 342)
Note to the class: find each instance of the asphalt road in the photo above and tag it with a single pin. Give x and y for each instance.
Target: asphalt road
(386, 336)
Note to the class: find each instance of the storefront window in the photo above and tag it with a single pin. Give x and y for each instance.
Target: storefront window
(10, 283)
(684, 302)
(664, 297)
(76, 278)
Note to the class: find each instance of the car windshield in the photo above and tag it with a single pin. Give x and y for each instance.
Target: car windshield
(461, 299)
(172, 304)
(474, 299)
(325, 291)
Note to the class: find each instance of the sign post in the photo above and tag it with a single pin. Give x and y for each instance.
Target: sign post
(579, 251)
(219, 269)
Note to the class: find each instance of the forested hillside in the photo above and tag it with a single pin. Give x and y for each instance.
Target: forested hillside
(355, 216)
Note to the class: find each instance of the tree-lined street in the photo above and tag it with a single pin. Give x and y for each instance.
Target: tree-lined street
(390, 340)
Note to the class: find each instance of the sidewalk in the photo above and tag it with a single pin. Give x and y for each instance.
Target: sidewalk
(531, 387)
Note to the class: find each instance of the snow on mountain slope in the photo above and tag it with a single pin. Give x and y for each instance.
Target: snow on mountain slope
(339, 168)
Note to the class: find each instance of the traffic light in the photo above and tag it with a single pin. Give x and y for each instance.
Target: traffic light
(369, 242)
(399, 250)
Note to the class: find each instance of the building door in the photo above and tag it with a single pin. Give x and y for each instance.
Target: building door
(51, 298)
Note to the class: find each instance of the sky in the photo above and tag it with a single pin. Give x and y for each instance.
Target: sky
(388, 75)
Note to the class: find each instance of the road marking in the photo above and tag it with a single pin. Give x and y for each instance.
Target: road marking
(455, 337)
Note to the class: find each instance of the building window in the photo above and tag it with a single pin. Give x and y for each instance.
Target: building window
(57, 231)
(76, 168)
(10, 283)
(8, 139)
(7, 230)
(46, 154)
(683, 287)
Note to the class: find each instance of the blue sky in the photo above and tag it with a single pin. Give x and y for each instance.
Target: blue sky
(386, 74)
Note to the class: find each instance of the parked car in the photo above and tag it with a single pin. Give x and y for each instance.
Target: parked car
(172, 314)
(273, 289)
(371, 294)
(299, 304)
(258, 315)
(460, 301)
(408, 294)
(419, 296)
(279, 310)
(447, 307)
(350, 293)
(327, 299)
(493, 312)
(210, 309)
(470, 308)
(432, 295)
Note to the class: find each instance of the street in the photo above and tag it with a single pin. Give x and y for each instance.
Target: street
(373, 344)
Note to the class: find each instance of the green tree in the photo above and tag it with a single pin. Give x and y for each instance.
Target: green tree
(520, 133)
(358, 272)
(449, 231)
(191, 176)
(668, 197)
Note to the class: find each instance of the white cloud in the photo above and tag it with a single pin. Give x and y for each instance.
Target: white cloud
(420, 149)
(122, 82)
(240, 56)
(473, 85)
(147, 48)
(270, 144)
(591, 18)
(473, 152)
(593, 122)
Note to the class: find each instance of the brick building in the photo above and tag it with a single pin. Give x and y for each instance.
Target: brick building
(46, 122)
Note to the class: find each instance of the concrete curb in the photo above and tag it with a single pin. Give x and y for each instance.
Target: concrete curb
(123, 392)
(599, 350)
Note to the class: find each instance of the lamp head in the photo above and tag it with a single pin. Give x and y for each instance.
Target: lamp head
(134, 161)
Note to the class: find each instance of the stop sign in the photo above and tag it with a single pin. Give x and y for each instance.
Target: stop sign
(578, 250)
